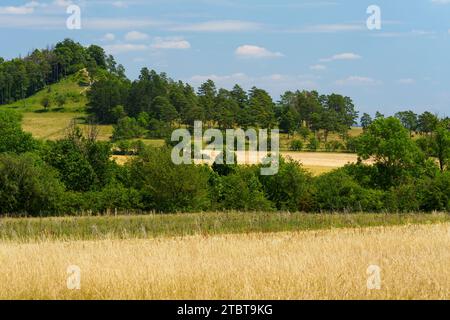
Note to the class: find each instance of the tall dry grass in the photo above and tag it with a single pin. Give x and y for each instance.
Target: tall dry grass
(414, 262)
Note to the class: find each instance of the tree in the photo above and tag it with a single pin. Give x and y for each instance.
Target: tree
(207, 99)
(164, 110)
(28, 186)
(409, 120)
(105, 95)
(366, 121)
(167, 187)
(388, 144)
(288, 122)
(427, 122)
(46, 102)
(12, 138)
(438, 145)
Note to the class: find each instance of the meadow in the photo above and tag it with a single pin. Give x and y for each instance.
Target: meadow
(321, 264)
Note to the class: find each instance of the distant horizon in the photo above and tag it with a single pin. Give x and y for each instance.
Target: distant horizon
(276, 46)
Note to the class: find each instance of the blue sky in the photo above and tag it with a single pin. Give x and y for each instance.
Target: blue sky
(276, 45)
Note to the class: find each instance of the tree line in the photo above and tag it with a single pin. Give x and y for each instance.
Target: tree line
(23, 77)
(76, 175)
(156, 104)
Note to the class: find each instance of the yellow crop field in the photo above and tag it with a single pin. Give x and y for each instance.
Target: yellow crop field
(413, 263)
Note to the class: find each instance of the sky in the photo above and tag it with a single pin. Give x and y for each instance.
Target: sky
(275, 45)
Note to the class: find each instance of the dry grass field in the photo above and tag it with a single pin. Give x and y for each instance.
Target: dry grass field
(330, 264)
(53, 125)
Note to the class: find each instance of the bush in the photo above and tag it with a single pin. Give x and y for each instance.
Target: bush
(113, 196)
(296, 145)
(291, 188)
(403, 198)
(337, 191)
(28, 186)
(333, 146)
(240, 191)
(12, 137)
(167, 187)
(313, 144)
(127, 128)
(434, 193)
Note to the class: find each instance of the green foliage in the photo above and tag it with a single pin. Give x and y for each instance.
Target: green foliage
(387, 142)
(313, 144)
(240, 190)
(333, 146)
(28, 186)
(12, 137)
(46, 102)
(104, 98)
(291, 188)
(127, 128)
(60, 100)
(83, 164)
(23, 77)
(167, 187)
(296, 145)
(337, 191)
(434, 193)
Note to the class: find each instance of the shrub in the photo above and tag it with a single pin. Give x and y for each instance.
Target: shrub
(333, 146)
(403, 198)
(167, 187)
(434, 193)
(12, 137)
(296, 145)
(337, 191)
(127, 128)
(28, 186)
(241, 191)
(291, 188)
(313, 144)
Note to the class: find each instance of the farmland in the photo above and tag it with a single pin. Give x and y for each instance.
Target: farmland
(294, 264)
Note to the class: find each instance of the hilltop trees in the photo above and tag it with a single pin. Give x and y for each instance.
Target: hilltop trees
(105, 96)
(22, 77)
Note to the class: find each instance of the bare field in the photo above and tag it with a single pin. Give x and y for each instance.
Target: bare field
(316, 162)
(329, 264)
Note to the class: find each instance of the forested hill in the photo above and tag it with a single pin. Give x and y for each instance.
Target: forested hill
(23, 77)
(156, 102)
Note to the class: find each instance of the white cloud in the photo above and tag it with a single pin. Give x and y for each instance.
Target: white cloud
(62, 3)
(250, 51)
(27, 8)
(318, 67)
(125, 47)
(120, 4)
(357, 81)
(406, 81)
(117, 24)
(329, 28)
(275, 83)
(219, 26)
(136, 36)
(109, 37)
(171, 43)
(342, 56)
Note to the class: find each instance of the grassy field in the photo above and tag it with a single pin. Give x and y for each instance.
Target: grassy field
(326, 264)
(76, 98)
(175, 225)
(53, 125)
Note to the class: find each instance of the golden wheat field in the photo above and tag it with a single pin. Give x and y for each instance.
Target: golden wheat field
(414, 263)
